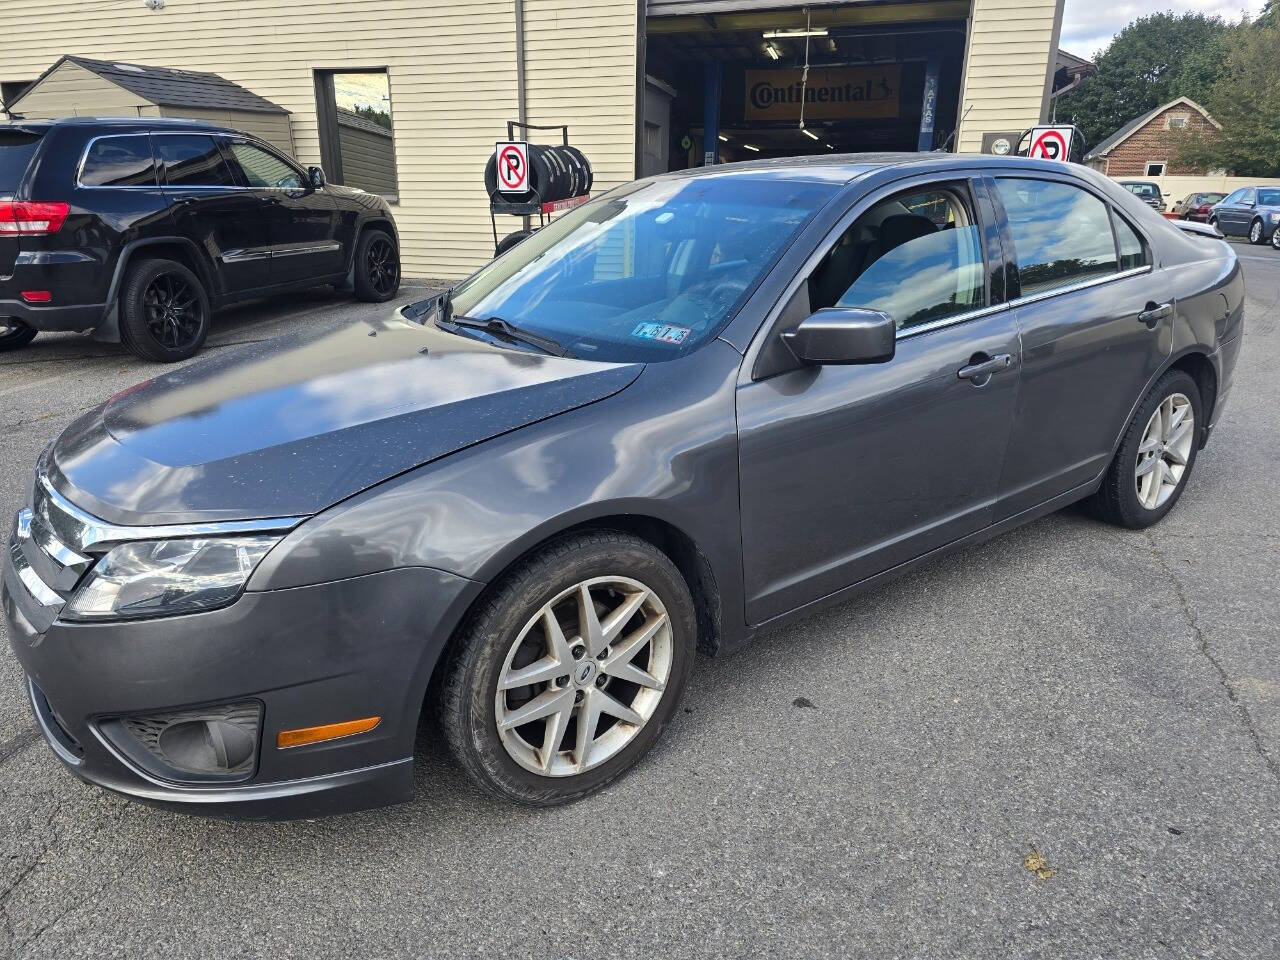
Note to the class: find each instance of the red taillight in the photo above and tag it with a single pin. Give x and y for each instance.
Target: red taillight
(31, 217)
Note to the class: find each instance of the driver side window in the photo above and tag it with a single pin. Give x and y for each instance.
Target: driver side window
(916, 256)
(262, 169)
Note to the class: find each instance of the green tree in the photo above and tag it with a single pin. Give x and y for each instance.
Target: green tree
(1246, 100)
(1151, 61)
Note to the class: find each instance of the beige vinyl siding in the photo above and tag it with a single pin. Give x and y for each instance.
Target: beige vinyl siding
(1007, 62)
(451, 67)
(271, 127)
(72, 91)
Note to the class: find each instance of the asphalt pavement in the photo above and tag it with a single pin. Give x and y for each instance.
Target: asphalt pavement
(1064, 743)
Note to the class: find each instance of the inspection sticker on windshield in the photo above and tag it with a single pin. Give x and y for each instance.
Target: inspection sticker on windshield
(662, 332)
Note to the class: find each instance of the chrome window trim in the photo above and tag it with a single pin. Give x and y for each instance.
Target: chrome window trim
(84, 156)
(95, 536)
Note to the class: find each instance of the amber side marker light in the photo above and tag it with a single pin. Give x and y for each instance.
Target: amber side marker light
(328, 731)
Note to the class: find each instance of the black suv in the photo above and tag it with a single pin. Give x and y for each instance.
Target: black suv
(139, 227)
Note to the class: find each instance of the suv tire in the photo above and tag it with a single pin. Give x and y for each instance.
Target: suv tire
(377, 266)
(508, 634)
(164, 311)
(15, 334)
(1120, 500)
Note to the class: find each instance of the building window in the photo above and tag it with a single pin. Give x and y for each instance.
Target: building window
(1155, 168)
(357, 138)
(1175, 121)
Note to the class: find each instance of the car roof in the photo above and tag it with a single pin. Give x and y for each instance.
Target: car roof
(846, 167)
(129, 123)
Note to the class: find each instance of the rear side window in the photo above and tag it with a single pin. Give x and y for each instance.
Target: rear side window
(193, 160)
(1061, 234)
(119, 162)
(1132, 253)
(16, 150)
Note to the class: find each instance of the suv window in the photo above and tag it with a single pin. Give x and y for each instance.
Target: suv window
(1061, 233)
(119, 162)
(1132, 252)
(17, 147)
(263, 169)
(916, 256)
(193, 160)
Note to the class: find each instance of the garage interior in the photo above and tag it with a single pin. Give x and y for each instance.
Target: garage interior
(880, 77)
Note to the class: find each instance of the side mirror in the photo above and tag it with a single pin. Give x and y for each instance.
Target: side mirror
(316, 176)
(843, 335)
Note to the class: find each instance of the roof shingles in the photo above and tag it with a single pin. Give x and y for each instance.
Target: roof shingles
(179, 88)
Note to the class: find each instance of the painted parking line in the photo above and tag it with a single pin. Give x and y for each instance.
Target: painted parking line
(1245, 256)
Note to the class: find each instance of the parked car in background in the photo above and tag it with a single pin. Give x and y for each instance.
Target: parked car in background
(1146, 191)
(1252, 212)
(691, 410)
(138, 228)
(1195, 206)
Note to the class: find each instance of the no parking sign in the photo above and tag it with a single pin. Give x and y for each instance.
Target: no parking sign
(1050, 143)
(513, 166)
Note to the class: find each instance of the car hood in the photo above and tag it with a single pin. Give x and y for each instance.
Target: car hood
(288, 428)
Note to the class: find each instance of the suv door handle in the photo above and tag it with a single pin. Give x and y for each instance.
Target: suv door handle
(1154, 313)
(978, 369)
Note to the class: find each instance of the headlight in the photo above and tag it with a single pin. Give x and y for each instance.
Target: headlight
(163, 577)
(1275, 218)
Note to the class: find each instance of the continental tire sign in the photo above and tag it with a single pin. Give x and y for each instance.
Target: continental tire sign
(840, 92)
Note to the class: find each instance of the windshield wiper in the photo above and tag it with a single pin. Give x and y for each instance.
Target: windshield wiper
(502, 328)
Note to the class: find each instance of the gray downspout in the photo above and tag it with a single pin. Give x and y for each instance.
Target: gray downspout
(522, 112)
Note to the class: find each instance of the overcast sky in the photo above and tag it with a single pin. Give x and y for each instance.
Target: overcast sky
(1088, 25)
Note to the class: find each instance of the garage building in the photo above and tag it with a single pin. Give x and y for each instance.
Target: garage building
(407, 99)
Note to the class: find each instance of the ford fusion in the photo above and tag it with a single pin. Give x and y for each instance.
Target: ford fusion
(678, 416)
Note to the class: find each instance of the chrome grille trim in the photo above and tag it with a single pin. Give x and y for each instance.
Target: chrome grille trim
(43, 594)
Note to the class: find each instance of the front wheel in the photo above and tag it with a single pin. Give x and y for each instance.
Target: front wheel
(1156, 456)
(15, 334)
(377, 276)
(1255, 232)
(1275, 239)
(568, 673)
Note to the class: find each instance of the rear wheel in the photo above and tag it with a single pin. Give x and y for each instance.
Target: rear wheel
(568, 673)
(377, 267)
(14, 334)
(1255, 231)
(1156, 456)
(164, 311)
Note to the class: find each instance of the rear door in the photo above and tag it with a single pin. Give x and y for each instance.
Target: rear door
(847, 471)
(303, 221)
(1096, 321)
(212, 209)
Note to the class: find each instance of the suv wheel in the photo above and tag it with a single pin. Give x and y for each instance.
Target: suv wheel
(1255, 232)
(164, 311)
(14, 334)
(1156, 456)
(569, 671)
(377, 267)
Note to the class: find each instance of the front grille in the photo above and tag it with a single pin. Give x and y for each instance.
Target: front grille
(48, 568)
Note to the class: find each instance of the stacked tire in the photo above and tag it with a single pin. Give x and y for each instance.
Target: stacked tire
(555, 173)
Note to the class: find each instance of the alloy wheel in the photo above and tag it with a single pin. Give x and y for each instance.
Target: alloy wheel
(1275, 239)
(173, 310)
(1255, 232)
(584, 675)
(383, 266)
(1165, 451)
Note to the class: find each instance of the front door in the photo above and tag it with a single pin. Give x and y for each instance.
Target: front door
(1233, 215)
(303, 221)
(1096, 322)
(209, 207)
(847, 471)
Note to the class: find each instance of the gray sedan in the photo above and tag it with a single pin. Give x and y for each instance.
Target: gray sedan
(686, 413)
(1252, 212)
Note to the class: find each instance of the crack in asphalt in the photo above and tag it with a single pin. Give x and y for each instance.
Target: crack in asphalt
(17, 743)
(50, 415)
(1202, 645)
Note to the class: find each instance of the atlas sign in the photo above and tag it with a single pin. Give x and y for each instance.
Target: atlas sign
(1050, 143)
(513, 166)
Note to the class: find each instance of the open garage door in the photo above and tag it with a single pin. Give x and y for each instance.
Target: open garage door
(880, 77)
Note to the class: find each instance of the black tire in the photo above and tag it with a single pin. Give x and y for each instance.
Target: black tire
(1257, 232)
(1117, 501)
(1275, 239)
(164, 311)
(15, 334)
(467, 691)
(511, 240)
(377, 267)
(1213, 222)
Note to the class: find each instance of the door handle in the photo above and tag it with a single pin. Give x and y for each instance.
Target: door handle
(1154, 313)
(979, 369)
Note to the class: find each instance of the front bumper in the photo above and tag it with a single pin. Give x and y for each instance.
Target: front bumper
(309, 655)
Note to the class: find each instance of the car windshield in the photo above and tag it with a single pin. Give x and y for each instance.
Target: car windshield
(1269, 198)
(649, 273)
(1143, 189)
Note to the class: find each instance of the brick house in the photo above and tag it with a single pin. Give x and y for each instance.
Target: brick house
(1146, 147)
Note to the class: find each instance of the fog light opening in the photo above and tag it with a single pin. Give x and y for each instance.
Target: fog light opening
(206, 746)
